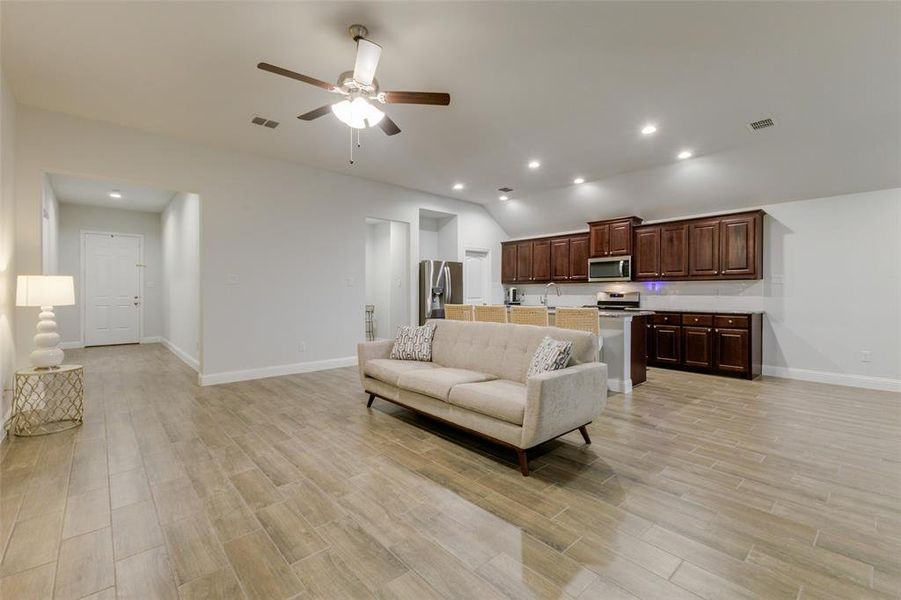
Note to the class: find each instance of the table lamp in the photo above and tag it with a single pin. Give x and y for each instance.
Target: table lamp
(45, 291)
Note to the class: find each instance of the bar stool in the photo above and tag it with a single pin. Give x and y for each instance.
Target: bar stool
(490, 313)
(458, 312)
(529, 315)
(583, 319)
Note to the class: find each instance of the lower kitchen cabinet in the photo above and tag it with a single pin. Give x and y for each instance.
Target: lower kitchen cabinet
(724, 344)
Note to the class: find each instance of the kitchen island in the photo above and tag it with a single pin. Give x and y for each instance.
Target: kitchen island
(623, 348)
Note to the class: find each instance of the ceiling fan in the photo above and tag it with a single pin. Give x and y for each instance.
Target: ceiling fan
(360, 89)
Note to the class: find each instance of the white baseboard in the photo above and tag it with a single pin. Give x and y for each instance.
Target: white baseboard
(181, 354)
(276, 371)
(154, 339)
(71, 345)
(861, 381)
(619, 385)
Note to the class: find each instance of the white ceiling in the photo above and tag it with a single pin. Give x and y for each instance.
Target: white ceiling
(93, 192)
(567, 83)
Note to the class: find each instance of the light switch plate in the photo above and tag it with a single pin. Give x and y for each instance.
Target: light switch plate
(232, 279)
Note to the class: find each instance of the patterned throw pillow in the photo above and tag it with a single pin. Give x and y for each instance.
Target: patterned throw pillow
(413, 343)
(549, 356)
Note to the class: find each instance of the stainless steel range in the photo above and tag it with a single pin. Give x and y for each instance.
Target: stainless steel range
(618, 301)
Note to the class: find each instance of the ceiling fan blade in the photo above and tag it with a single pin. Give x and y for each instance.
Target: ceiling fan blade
(368, 54)
(316, 113)
(434, 98)
(389, 126)
(297, 76)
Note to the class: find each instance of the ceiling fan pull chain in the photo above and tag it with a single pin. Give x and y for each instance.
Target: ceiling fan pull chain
(351, 145)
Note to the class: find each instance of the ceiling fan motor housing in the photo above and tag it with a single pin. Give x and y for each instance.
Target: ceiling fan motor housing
(357, 31)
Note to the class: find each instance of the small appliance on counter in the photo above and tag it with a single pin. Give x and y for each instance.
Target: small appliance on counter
(513, 296)
(440, 283)
(618, 301)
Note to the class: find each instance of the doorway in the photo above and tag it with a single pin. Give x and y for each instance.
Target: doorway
(111, 294)
(387, 276)
(477, 277)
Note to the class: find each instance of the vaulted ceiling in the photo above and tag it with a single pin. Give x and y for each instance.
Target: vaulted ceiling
(570, 84)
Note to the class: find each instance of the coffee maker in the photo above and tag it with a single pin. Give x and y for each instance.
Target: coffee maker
(513, 296)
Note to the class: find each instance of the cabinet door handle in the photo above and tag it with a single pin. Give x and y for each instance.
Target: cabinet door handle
(709, 330)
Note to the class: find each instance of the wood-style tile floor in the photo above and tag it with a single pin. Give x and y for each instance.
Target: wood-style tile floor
(695, 486)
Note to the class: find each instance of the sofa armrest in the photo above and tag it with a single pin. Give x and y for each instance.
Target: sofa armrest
(560, 401)
(367, 351)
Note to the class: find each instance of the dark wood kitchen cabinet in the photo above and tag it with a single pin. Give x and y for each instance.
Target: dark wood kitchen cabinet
(560, 263)
(722, 344)
(508, 263)
(697, 347)
(646, 261)
(611, 238)
(728, 247)
(578, 258)
(541, 260)
(523, 262)
(674, 250)
(667, 344)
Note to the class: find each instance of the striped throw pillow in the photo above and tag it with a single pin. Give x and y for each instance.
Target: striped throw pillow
(550, 355)
(413, 343)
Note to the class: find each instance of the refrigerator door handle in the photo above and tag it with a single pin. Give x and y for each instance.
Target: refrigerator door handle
(447, 284)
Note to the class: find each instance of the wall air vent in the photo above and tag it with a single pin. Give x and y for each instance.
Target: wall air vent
(505, 190)
(257, 120)
(761, 124)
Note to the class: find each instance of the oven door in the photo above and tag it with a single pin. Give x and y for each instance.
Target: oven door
(618, 268)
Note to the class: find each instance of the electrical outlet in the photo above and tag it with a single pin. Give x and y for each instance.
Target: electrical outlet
(232, 279)
(349, 281)
(777, 278)
(864, 356)
(302, 347)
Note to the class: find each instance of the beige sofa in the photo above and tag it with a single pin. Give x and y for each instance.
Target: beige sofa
(477, 381)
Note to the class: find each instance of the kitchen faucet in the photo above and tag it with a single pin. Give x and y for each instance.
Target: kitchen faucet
(556, 287)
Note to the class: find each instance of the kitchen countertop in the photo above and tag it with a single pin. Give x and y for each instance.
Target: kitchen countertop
(647, 311)
(609, 314)
(708, 312)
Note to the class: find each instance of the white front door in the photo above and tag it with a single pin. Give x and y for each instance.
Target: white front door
(476, 270)
(111, 289)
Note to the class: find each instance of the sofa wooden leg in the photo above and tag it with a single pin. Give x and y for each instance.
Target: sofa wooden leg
(523, 462)
(584, 431)
(371, 399)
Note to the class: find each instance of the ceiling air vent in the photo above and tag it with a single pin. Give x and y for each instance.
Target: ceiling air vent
(761, 124)
(257, 120)
(505, 190)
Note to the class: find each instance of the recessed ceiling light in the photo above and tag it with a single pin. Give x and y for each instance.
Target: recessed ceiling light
(579, 180)
(458, 186)
(503, 198)
(684, 154)
(649, 129)
(534, 164)
(115, 194)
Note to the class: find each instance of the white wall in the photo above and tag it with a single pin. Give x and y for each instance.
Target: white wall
(73, 218)
(277, 238)
(49, 229)
(399, 277)
(831, 288)
(180, 223)
(388, 275)
(7, 249)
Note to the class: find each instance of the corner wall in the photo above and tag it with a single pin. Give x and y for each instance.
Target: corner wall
(180, 224)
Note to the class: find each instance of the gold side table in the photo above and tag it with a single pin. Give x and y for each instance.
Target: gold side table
(47, 400)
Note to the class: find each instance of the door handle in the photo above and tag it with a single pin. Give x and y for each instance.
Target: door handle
(137, 303)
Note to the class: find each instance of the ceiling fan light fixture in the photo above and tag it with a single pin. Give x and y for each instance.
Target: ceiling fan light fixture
(357, 113)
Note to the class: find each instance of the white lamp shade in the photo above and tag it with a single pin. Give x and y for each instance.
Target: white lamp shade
(45, 290)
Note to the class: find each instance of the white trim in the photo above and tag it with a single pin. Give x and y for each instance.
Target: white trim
(154, 339)
(276, 371)
(860, 381)
(181, 354)
(71, 345)
(81, 283)
(620, 385)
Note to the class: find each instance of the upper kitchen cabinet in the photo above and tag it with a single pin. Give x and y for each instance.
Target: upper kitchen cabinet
(508, 263)
(727, 247)
(541, 260)
(578, 257)
(611, 238)
(560, 264)
(523, 262)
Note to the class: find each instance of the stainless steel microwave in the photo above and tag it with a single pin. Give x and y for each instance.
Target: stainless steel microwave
(611, 268)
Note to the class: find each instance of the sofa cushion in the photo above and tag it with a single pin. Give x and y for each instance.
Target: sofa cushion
(502, 349)
(501, 398)
(389, 370)
(413, 343)
(437, 383)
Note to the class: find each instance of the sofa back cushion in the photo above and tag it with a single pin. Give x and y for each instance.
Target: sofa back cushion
(502, 349)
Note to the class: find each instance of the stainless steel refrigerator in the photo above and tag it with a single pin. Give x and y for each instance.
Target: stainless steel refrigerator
(440, 282)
